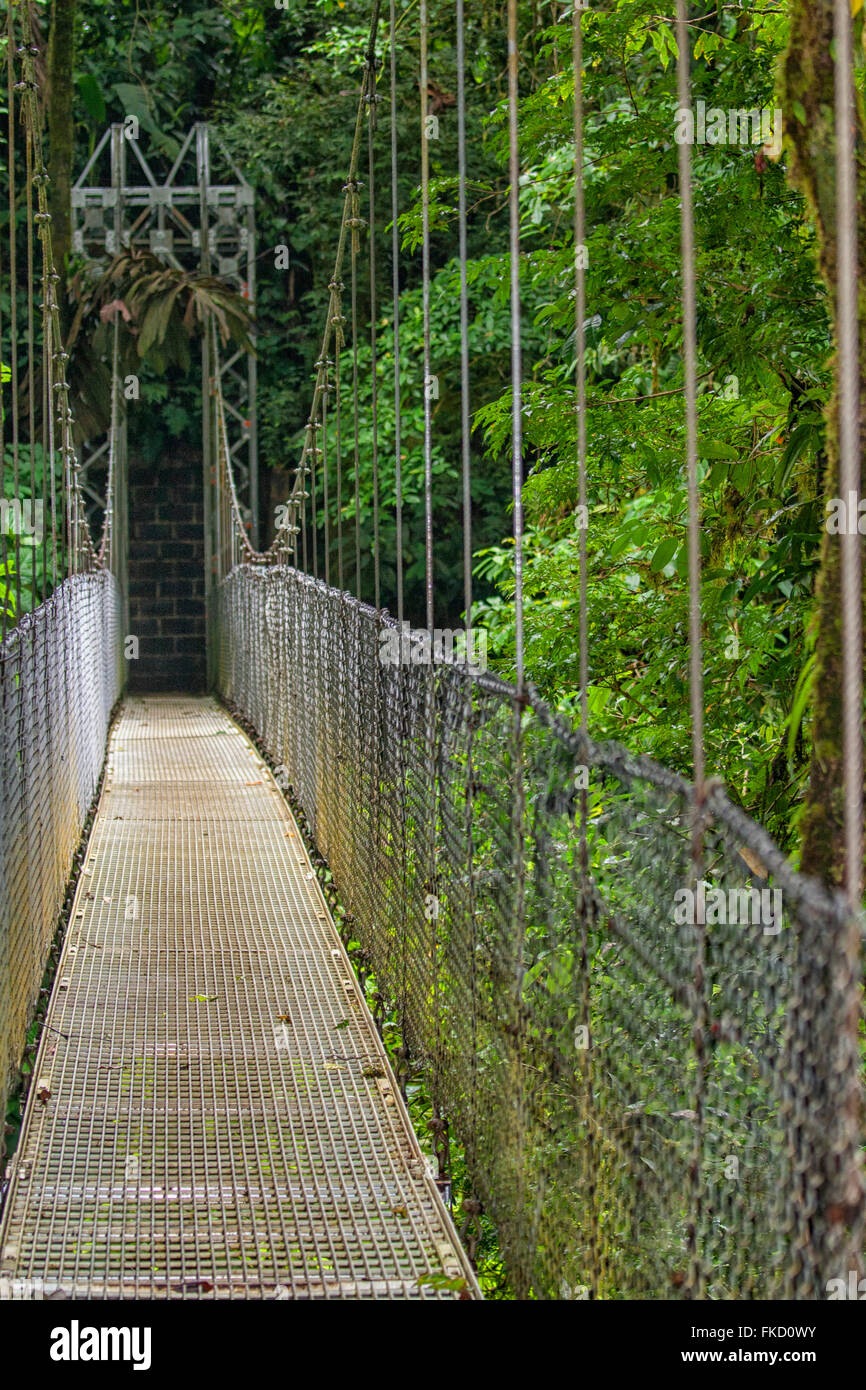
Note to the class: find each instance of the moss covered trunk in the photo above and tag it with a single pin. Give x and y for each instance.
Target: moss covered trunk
(806, 90)
(61, 58)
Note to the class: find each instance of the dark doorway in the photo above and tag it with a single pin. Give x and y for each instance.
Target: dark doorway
(166, 572)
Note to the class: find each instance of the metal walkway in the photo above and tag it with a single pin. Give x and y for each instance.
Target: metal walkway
(212, 1114)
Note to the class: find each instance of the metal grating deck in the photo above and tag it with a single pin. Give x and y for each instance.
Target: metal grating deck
(213, 1115)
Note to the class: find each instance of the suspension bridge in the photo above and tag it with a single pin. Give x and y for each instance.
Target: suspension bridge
(646, 1107)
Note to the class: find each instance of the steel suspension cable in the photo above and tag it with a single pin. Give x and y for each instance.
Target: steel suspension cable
(49, 406)
(583, 875)
(849, 451)
(107, 547)
(467, 549)
(849, 1191)
(395, 290)
(696, 1274)
(687, 234)
(516, 364)
(464, 324)
(355, 225)
(338, 440)
(48, 434)
(580, 344)
(303, 470)
(518, 788)
(326, 501)
(372, 99)
(314, 524)
(430, 704)
(402, 991)
(4, 558)
(428, 378)
(13, 284)
(4, 576)
(31, 347)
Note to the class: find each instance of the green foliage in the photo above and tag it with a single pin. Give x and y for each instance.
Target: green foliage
(167, 305)
(293, 142)
(490, 484)
(283, 86)
(763, 341)
(26, 558)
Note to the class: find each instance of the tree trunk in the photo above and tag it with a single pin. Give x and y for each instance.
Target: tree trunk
(61, 59)
(806, 83)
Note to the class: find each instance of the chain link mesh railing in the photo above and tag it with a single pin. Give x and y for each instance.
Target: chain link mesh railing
(650, 1105)
(59, 678)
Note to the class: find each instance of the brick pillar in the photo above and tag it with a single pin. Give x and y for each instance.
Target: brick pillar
(166, 573)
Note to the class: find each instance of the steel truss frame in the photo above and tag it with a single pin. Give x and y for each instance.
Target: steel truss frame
(191, 221)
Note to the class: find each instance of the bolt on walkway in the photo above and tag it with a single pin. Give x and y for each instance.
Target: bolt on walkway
(212, 1114)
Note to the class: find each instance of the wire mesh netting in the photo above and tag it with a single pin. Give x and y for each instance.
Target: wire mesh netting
(654, 1072)
(59, 678)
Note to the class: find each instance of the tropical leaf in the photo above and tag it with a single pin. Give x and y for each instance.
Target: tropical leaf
(169, 305)
(91, 95)
(802, 699)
